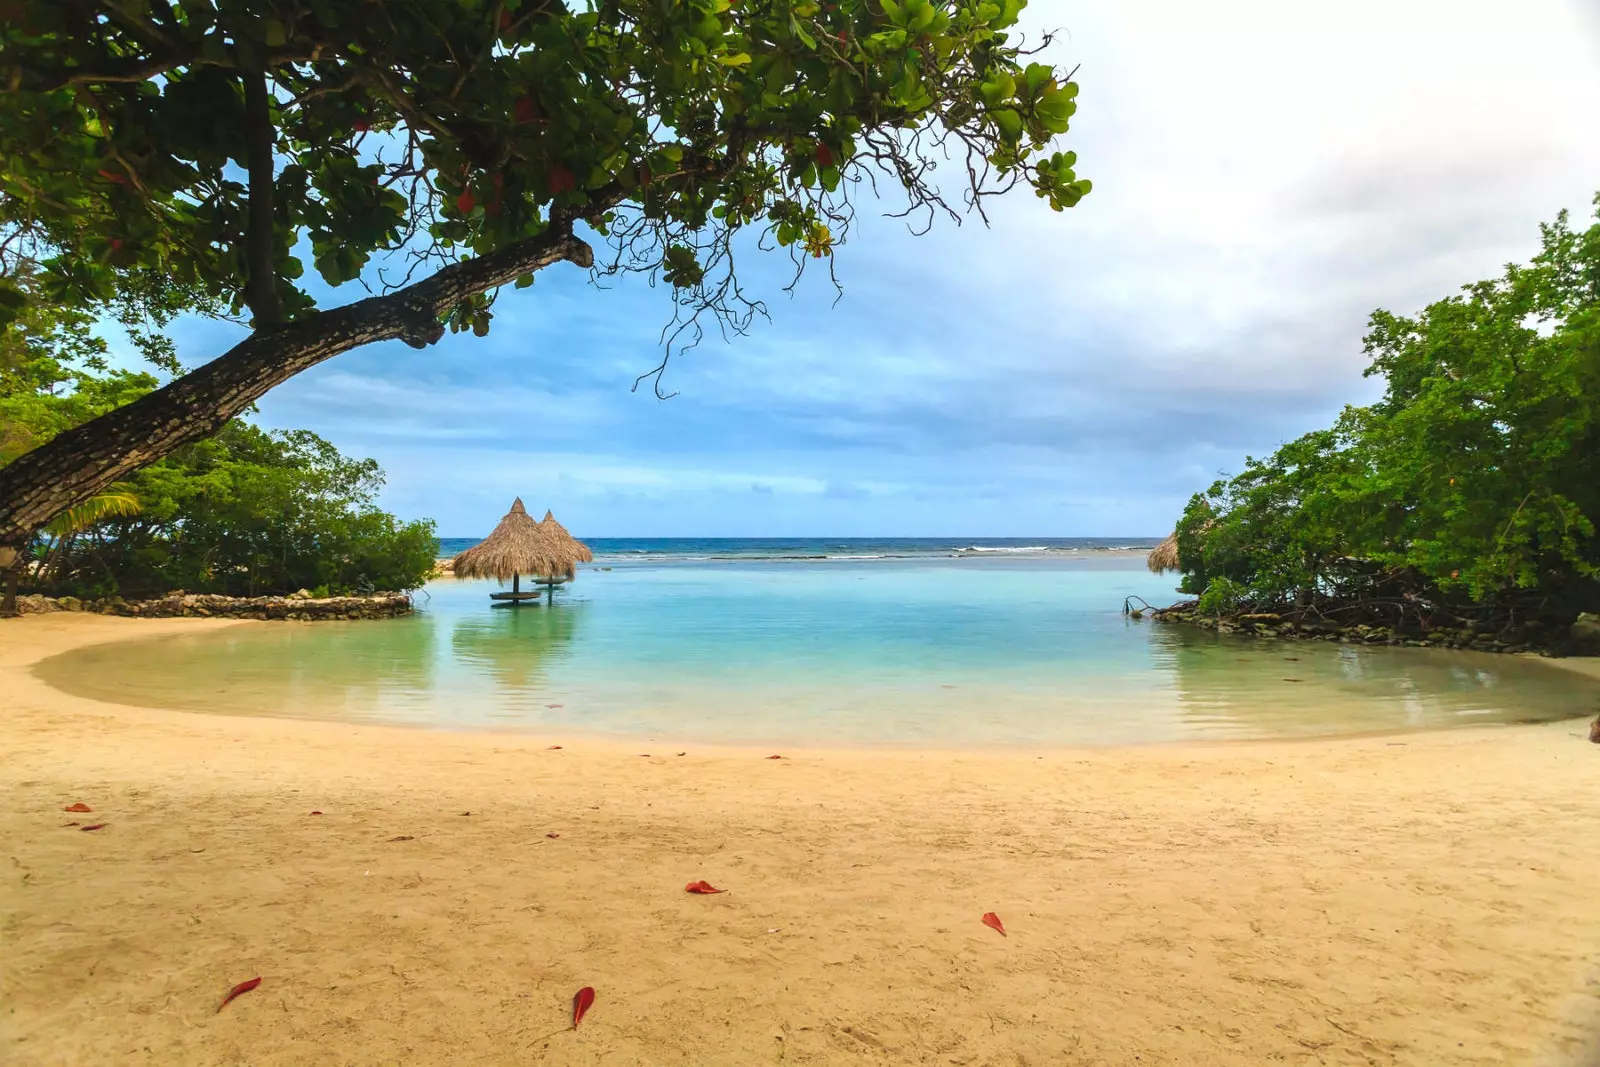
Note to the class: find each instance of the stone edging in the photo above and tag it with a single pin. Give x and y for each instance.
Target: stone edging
(302, 606)
(1270, 625)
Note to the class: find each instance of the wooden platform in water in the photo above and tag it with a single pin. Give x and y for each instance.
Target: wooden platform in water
(531, 594)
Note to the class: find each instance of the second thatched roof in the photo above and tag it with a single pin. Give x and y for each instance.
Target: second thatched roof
(1164, 557)
(519, 545)
(566, 547)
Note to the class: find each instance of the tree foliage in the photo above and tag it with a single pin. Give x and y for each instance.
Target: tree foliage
(248, 513)
(1473, 485)
(205, 154)
(140, 138)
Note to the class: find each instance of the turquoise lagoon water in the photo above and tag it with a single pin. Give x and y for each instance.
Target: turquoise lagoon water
(931, 645)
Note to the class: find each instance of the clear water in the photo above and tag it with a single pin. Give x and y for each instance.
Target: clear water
(975, 649)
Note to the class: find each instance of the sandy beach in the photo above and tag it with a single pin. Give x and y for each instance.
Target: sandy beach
(1422, 899)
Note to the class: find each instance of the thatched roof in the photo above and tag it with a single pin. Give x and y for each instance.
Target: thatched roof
(1164, 557)
(519, 545)
(564, 544)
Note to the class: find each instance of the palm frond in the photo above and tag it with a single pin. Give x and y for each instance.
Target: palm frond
(99, 508)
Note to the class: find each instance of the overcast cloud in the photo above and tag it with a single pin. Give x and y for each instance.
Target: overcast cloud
(1265, 175)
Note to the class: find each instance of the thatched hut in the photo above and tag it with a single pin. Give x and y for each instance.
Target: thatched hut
(566, 548)
(518, 546)
(1164, 557)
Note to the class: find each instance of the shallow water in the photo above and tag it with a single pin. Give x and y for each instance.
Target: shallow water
(934, 651)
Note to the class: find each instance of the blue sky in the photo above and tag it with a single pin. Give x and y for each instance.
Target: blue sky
(1265, 175)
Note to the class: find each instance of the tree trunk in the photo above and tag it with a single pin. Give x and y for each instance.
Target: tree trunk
(75, 465)
(10, 576)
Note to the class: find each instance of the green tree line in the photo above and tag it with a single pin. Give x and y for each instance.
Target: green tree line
(1471, 490)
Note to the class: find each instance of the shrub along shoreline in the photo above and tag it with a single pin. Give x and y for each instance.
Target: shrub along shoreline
(1460, 509)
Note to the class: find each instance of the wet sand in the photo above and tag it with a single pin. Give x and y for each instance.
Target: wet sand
(1423, 899)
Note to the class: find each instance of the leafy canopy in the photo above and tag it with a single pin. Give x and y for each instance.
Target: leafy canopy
(1474, 478)
(137, 138)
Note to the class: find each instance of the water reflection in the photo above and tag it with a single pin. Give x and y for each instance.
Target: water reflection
(517, 647)
(1249, 687)
(356, 669)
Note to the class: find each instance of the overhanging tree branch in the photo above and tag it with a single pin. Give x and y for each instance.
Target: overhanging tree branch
(80, 462)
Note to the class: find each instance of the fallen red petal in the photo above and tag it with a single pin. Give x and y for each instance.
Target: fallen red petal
(702, 886)
(242, 987)
(80, 807)
(316, 813)
(555, 746)
(94, 826)
(580, 1004)
(774, 757)
(552, 835)
(992, 921)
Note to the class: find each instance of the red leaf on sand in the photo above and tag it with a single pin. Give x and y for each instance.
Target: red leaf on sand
(774, 757)
(242, 987)
(992, 921)
(580, 1004)
(80, 807)
(316, 813)
(94, 826)
(702, 886)
(555, 746)
(552, 835)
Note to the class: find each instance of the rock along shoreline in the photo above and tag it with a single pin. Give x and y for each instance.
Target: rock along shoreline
(296, 607)
(1583, 637)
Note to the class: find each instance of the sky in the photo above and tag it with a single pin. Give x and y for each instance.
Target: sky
(1265, 175)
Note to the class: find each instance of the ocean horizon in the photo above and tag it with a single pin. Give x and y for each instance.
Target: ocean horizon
(613, 550)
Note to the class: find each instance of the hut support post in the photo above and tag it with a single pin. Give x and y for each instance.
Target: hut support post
(516, 580)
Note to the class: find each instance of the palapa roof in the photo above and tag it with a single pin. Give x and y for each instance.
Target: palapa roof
(1164, 557)
(565, 545)
(519, 545)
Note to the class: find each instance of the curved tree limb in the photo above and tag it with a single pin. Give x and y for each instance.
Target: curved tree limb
(84, 460)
